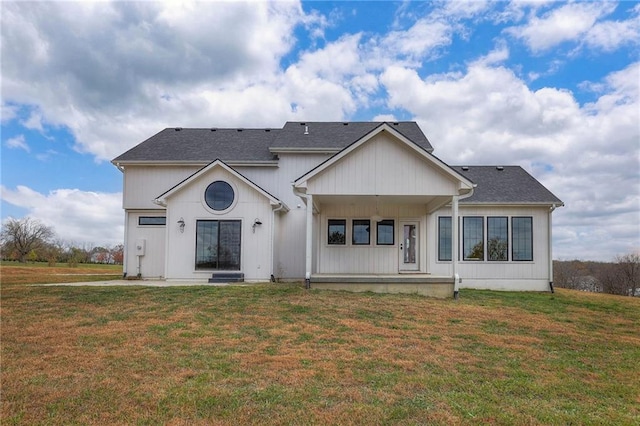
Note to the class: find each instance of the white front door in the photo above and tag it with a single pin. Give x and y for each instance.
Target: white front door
(409, 244)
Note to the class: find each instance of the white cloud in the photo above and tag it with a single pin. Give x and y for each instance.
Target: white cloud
(18, 142)
(104, 70)
(567, 23)
(609, 35)
(418, 42)
(588, 155)
(77, 216)
(34, 121)
(8, 112)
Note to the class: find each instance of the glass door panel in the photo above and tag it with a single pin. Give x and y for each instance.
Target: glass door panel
(218, 244)
(409, 244)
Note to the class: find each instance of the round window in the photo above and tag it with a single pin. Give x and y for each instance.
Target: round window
(219, 195)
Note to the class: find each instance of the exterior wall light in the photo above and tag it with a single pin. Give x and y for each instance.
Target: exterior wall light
(256, 222)
(181, 224)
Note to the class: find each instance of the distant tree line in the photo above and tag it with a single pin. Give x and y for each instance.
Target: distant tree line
(622, 276)
(29, 240)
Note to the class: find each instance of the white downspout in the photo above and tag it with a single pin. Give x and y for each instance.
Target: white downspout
(273, 239)
(125, 248)
(455, 222)
(309, 242)
(454, 245)
(308, 198)
(550, 249)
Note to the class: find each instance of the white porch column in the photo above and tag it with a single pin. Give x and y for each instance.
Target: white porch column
(454, 244)
(309, 242)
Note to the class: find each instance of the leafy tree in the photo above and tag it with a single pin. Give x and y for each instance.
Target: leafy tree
(117, 254)
(25, 235)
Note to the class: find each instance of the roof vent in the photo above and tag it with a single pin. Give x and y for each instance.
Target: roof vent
(465, 168)
(395, 123)
(178, 129)
(267, 130)
(303, 124)
(345, 124)
(213, 129)
(499, 168)
(239, 130)
(306, 130)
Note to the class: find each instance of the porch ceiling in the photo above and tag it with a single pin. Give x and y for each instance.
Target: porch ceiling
(432, 201)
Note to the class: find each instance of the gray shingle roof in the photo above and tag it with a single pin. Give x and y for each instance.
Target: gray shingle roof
(205, 145)
(512, 184)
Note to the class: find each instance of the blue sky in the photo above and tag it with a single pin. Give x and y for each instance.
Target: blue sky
(552, 87)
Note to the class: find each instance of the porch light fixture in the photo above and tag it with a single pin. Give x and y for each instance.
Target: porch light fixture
(181, 224)
(256, 222)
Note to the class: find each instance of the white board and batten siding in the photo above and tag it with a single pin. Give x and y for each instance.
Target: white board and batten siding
(372, 258)
(277, 180)
(290, 232)
(498, 275)
(152, 262)
(248, 205)
(382, 166)
(142, 184)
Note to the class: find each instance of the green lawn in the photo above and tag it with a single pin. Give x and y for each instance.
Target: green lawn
(278, 354)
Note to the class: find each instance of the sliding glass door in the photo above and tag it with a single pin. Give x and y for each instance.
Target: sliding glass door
(218, 244)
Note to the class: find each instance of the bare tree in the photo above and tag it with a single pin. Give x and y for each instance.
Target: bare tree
(24, 236)
(629, 271)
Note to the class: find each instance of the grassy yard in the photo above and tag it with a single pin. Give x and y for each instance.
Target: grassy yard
(278, 354)
(14, 273)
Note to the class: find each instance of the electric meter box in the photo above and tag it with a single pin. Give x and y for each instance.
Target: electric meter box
(141, 245)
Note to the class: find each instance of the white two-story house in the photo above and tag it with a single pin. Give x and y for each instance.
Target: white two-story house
(361, 206)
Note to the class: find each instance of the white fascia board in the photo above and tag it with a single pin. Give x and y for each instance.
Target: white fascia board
(301, 150)
(263, 163)
(511, 204)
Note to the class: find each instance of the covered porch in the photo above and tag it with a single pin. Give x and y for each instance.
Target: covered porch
(368, 210)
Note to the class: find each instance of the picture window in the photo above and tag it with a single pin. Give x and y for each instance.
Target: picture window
(385, 231)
